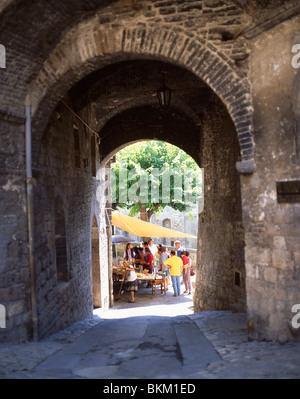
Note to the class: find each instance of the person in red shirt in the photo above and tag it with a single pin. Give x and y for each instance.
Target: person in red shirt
(186, 271)
(148, 263)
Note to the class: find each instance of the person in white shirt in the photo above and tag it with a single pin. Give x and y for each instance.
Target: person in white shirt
(132, 283)
(152, 247)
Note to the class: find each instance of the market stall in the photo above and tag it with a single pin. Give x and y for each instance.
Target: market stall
(140, 228)
(155, 279)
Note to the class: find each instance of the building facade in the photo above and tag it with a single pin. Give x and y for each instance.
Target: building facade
(78, 83)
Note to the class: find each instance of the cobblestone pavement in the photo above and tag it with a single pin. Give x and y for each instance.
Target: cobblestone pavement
(226, 331)
(242, 359)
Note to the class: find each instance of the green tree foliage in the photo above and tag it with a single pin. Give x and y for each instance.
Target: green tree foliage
(153, 174)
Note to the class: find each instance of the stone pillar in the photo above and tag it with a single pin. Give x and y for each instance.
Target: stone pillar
(96, 265)
(272, 224)
(220, 278)
(104, 250)
(14, 256)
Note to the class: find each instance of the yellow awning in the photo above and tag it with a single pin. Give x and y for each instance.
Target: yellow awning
(140, 228)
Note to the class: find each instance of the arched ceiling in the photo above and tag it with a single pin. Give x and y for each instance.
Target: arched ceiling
(124, 102)
(134, 83)
(153, 123)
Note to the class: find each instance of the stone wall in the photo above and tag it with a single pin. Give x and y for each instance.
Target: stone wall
(14, 256)
(220, 280)
(64, 169)
(272, 228)
(64, 172)
(179, 221)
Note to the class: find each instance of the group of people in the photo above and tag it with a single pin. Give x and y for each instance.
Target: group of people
(174, 264)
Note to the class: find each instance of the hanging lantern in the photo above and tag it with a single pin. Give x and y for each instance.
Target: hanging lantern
(164, 95)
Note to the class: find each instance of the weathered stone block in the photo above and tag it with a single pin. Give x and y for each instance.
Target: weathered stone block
(258, 256)
(213, 3)
(246, 167)
(296, 256)
(15, 308)
(5, 295)
(281, 259)
(270, 274)
(279, 242)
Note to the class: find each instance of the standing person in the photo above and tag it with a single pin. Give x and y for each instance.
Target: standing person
(162, 257)
(175, 264)
(148, 263)
(128, 253)
(186, 271)
(179, 248)
(167, 252)
(145, 245)
(152, 247)
(131, 283)
(139, 257)
(149, 260)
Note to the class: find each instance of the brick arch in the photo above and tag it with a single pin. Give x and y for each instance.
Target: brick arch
(90, 47)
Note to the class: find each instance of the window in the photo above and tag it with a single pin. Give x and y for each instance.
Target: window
(237, 278)
(288, 191)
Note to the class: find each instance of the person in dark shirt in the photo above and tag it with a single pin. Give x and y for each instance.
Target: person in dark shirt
(139, 257)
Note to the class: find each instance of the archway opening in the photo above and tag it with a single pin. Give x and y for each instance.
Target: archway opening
(155, 181)
(117, 106)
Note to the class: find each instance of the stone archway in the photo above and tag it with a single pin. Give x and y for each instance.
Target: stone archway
(221, 232)
(64, 68)
(87, 48)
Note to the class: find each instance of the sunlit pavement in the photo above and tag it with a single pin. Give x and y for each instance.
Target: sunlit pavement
(148, 304)
(158, 333)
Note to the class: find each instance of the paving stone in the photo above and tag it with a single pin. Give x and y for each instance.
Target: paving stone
(224, 331)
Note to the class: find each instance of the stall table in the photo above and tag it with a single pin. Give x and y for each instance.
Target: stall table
(154, 281)
(119, 274)
(159, 281)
